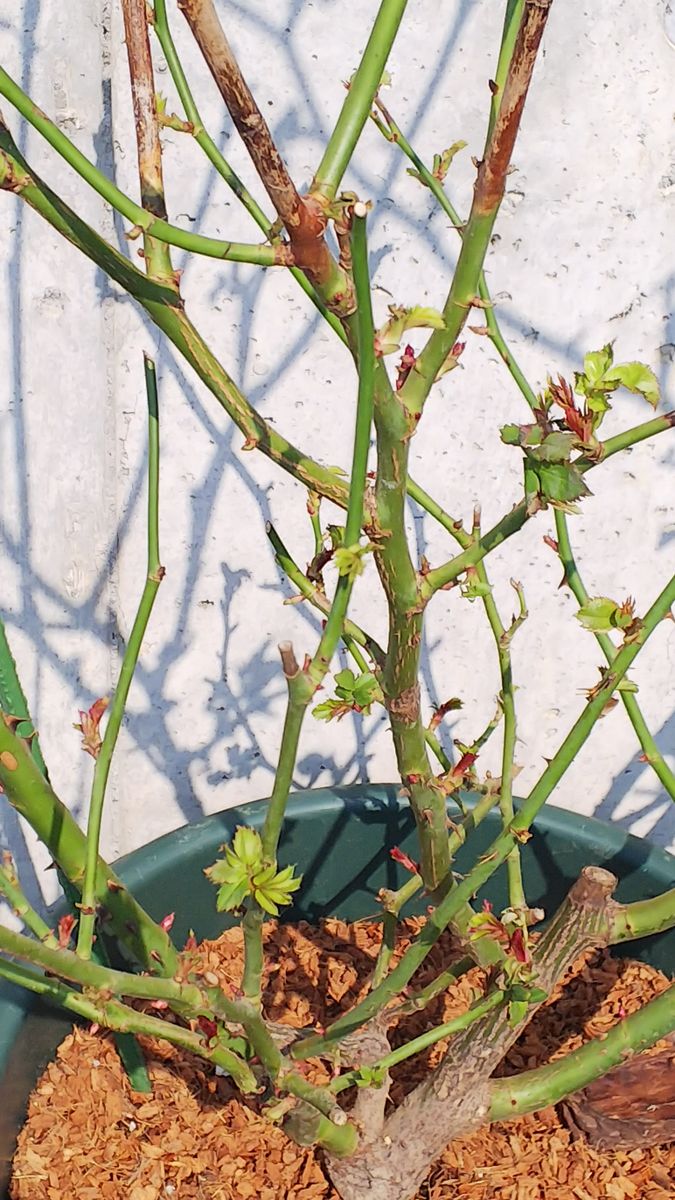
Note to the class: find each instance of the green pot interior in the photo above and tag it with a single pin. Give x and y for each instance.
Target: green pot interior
(340, 840)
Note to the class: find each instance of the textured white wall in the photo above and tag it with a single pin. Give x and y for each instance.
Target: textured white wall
(582, 255)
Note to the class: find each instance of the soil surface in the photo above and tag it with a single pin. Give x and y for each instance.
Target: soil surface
(88, 1137)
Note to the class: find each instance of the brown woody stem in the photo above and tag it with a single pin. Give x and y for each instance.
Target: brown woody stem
(157, 254)
(488, 193)
(303, 218)
(455, 1098)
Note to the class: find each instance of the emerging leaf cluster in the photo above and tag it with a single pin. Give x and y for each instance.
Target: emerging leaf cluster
(601, 376)
(441, 164)
(244, 872)
(355, 693)
(601, 615)
(551, 476)
(349, 560)
(388, 338)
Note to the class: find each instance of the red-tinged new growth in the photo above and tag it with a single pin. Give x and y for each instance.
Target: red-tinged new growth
(463, 765)
(404, 860)
(406, 363)
(507, 930)
(65, 929)
(89, 727)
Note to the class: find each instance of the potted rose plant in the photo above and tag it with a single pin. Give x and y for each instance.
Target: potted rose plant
(158, 989)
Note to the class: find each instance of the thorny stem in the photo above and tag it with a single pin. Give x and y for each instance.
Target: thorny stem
(32, 796)
(303, 682)
(13, 700)
(319, 599)
(356, 108)
(220, 163)
(156, 254)
(166, 310)
(162, 30)
(394, 903)
(68, 965)
(650, 749)
(18, 901)
(488, 194)
(353, 636)
(512, 21)
(497, 853)
(573, 580)
(638, 433)
(421, 999)
(430, 1037)
(400, 672)
(393, 133)
(142, 220)
(303, 218)
(503, 638)
(542, 1086)
(440, 577)
(254, 962)
(120, 1017)
(352, 648)
(314, 513)
(154, 577)
(189, 999)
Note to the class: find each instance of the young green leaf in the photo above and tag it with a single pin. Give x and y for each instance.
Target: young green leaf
(517, 1012)
(597, 363)
(349, 560)
(557, 483)
(637, 378)
(345, 681)
(388, 338)
(537, 996)
(329, 710)
(602, 615)
(247, 846)
(443, 160)
(556, 447)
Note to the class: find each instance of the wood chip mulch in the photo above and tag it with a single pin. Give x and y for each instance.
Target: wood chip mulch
(88, 1137)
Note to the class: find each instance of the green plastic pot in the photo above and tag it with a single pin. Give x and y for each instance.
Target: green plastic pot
(340, 839)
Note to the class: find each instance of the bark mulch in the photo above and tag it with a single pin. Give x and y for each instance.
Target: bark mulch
(88, 1137)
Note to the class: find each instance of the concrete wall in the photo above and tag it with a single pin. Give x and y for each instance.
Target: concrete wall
(582, 255)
